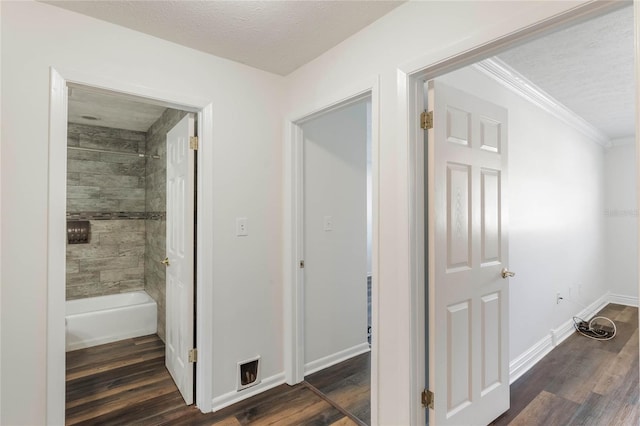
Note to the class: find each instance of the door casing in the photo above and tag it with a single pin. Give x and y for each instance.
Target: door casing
(59, 81)
(411, 77)
(293, 228)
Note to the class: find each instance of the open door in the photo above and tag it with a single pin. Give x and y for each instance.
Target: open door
(179, 261)
(468, 255)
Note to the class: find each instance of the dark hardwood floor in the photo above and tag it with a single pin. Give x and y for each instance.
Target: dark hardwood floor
(348, 384)
(126, 383)
(582, 381)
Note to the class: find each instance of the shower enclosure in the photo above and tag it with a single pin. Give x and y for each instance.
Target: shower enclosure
(116, 181)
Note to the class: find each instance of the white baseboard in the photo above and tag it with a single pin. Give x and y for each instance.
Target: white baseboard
(231, 398)
(328, 361)
(535, 353)
(529, 358)
(621, 299)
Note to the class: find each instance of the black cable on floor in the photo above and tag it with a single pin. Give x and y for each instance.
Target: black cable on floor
(594, 330)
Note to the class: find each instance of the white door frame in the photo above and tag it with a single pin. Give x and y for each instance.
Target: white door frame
(293, 229)
(411, 100)
(57, 229)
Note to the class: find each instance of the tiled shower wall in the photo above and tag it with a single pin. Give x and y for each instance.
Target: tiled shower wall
(156, 191)
(113, 261)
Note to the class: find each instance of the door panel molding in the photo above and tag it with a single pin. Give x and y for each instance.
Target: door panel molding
(179, 251)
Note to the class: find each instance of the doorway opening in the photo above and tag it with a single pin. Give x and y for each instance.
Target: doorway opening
(109, 181)
(331, 292)
(587, 209)
(336, 252)
(130, 193)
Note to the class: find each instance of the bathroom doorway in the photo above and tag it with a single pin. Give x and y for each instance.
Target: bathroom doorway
(130, 255)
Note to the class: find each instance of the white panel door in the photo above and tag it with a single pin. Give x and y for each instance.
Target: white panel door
(468, 297)
(180, 248)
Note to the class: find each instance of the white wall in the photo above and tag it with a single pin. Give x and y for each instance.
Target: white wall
(419, 33)
(621, 218)
(335, 274)
(556, 225)
(247, 171)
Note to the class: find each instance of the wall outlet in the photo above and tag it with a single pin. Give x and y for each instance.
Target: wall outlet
(241, 227)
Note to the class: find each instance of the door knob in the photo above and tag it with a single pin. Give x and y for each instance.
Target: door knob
(165, 261)
(507, 273)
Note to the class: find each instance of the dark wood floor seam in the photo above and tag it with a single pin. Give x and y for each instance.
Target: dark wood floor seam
(333, 403)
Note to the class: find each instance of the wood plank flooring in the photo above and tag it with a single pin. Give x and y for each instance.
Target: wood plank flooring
(348, 384)
(126, 383)
(582, 381)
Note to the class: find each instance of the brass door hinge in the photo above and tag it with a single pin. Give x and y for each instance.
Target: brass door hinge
(426, 120)
(427, 398)
(193, 143)
(193, 355)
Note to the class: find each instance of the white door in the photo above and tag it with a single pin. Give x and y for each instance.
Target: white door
(468, 297)
(180, 255)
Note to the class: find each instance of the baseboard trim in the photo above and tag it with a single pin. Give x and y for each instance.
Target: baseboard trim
(525, 361)
(335, 358)
(529, 358)
(233, 397)
(621, 299)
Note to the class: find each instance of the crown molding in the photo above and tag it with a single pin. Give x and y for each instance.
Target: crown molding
(520, 85)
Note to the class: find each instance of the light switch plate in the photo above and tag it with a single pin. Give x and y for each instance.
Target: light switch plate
(328, 223)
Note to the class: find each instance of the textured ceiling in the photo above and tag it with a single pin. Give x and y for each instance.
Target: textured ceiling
(588, 68)
(275, 36)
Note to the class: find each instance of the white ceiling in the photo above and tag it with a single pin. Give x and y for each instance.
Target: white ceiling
(275, 36)
(587, 67)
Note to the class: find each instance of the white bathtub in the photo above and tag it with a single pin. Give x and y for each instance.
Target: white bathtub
(103, 319)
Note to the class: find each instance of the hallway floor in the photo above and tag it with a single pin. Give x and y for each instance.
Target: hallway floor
(126, 382)
(582, 381)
